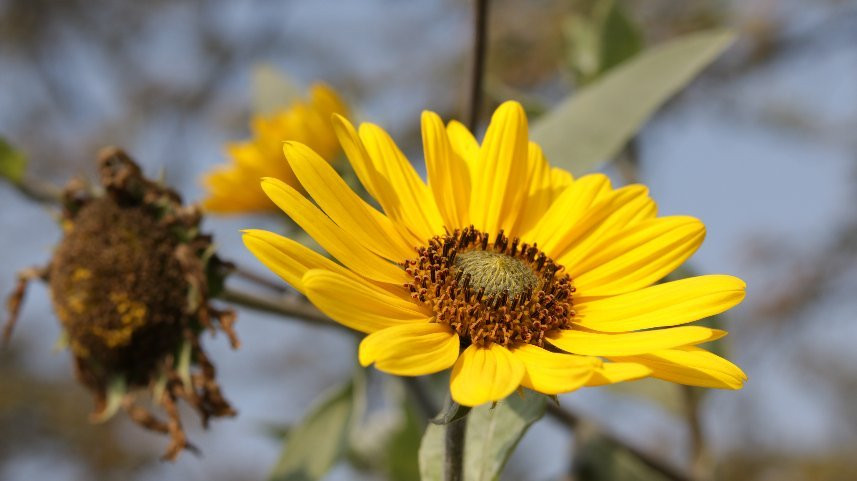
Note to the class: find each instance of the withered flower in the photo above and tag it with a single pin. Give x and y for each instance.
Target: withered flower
(131, 281)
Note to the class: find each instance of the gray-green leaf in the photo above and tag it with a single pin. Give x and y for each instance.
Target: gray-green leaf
(431, 453)
(320, 439)
(13, 163)
(592, 126)
(492, 435)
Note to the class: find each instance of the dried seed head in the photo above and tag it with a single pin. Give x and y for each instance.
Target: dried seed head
(130, 282)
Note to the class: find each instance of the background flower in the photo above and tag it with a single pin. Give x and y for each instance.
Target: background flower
(233, 188)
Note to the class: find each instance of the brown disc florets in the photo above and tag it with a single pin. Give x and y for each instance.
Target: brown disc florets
(131, 281)
(503, 292)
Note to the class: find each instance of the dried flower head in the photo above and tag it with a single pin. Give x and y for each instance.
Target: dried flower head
(130, 282)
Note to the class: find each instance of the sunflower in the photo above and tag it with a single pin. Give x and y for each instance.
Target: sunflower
(507, 270)
(234, 188)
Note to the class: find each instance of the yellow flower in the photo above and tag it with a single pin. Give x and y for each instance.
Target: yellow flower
(234, 188)
(502, 268)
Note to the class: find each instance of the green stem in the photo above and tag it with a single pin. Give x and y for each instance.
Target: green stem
(454, 447)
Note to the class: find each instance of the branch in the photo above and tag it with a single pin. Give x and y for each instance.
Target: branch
(293, 307)
(39, 191)
(252, 276)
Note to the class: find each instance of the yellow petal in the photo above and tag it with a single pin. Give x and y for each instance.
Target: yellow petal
(448, 173)
(560, 178)
(287, 258)
(692, 366)
(416, 205)
(662, 305)
(370, 174)
(484, 374)
(411, 349)
(630, 343)
(463, 143)
(613, 372)
(540, 195)
(638, 257)
(345, 207)
(339, 243)
(500, 180)
(568, 208)
(611, 212)
(360, 305)
(554, 373)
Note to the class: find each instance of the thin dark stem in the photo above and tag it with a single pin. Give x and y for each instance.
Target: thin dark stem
(573, 421)
(292, 306)
(252, 276)
(700, 461)
(477, 69)
(454, 446)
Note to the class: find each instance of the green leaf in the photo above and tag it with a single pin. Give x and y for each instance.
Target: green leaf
(492, 435)
(431, 453)
(320, 439)
(13, 163)
(597, 43)
(272, 90)
(620, 38)
(582, 47)
(593, 125)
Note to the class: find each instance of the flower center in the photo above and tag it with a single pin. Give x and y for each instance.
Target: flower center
(503, 292)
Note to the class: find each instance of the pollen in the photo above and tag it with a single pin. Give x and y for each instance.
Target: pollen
(501, 291)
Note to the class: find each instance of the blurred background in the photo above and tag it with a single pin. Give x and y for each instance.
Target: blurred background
(761, 147)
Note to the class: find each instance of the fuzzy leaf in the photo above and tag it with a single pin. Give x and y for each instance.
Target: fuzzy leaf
(593, 125)
(493, 434)
(431, 455)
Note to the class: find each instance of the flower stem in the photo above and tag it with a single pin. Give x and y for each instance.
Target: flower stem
(477, 70)
(454, 446)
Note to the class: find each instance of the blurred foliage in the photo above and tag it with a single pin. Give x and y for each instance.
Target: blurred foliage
(599, 459)
(13, 163)
(601, 41)
(315, 443)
